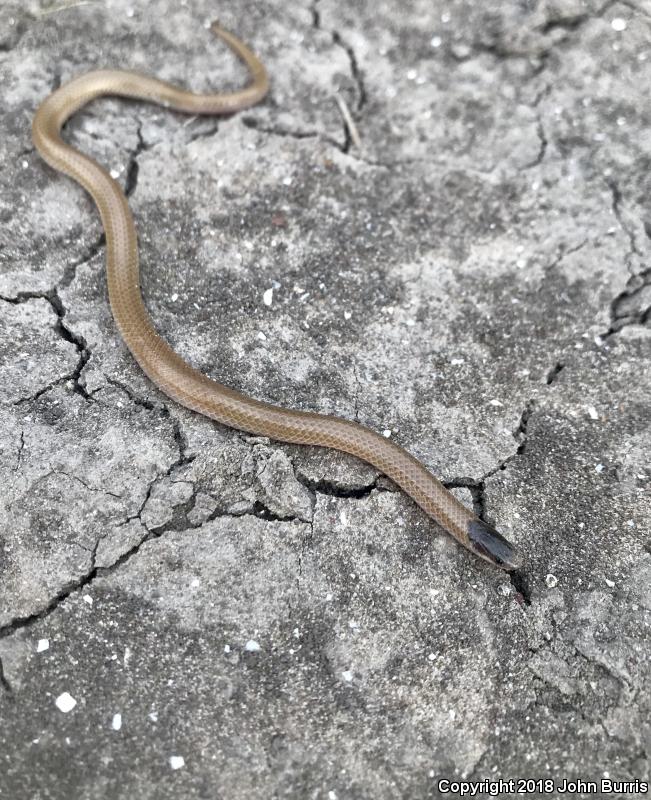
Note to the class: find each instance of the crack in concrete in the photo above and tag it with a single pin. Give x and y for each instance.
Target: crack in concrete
(635, 284)
(617, 211)
(70, 272)
(542, 151)
(52, 297)
(276, 130)
(4, 682)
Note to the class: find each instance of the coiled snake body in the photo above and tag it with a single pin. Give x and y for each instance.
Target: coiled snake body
(166, 368)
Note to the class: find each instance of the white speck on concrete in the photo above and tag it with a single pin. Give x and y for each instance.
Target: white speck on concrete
(43, 645)
(456, 361)
(386, 433)
(496, 403)
(65, 702)
(153, 716)
(609, 583)
(347, 675)
(177, 762)
(88, 599)
(592, 412)
(175, 297)
(347, 315)
(436, 41)
(261, 336)
(227, 648)
(618, 24)
(551, 580)
(268, 297)
(116, 723)
(252, 646)
(599, 468)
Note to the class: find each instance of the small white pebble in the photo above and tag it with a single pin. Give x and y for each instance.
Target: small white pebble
(268, 297)
(43, 644)
(599, 468)
(621, 121)
(495, 403)
(347, 675)
(287, 181)
(456, 361)
(609, 583)
(153, 716)
(551, 580)
(252, 646)
(195, 582)
(630, 523)
(177, 762)
(347, 315)
(116, 723)
(606, 774)
(261, 336)
(65, 702)
(88, 599)
(436, 41)
(328, 597)
(25, 164)
(505, 588)
(618, 24)
(353, 625)
(592, 412)
(175, 297)
(115, 173)
(227, 648)
(386, 433)
(432, 657)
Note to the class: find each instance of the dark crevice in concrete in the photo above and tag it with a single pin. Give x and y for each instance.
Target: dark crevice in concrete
(520, 435)
(259, 510)
(274, 130)
(571, 23)
(203, 134)
(331, 489)
(132, 167)
(621, 313)
(18, 623)
(554, 372)
(4, 683)
(617, 211)
(476, 489)
(139, 401)
(542, 149)
(354, 70)
(21, 447)
(520, 582)
(70, 272)
(56, 80)
(52, 297)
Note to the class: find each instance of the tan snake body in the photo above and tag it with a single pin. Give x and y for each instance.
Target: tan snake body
(166, 368)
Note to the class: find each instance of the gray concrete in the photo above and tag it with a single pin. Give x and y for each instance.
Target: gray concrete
(467, 268)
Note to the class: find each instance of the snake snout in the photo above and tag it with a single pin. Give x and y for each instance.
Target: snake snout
(492, 546)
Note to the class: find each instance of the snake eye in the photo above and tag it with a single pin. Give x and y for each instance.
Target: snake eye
(492, 546)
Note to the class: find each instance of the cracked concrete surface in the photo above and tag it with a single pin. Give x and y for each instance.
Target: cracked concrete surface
(450, 203)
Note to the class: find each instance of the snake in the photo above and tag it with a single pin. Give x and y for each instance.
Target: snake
(171, 373)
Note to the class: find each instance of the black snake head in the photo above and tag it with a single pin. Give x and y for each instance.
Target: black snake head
(492, 546)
